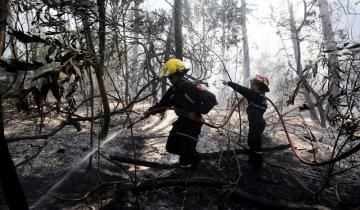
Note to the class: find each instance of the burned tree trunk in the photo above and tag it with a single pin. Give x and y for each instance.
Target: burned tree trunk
(13, 191)
(4, 8)
(99, 67)
(99, 70)
(101, 33)
(167, 55)
(297, 55)
(245, 44)
(178, 29)
(134, 67)
(333, 65)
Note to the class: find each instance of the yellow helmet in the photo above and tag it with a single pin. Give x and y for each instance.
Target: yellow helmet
(172, 66)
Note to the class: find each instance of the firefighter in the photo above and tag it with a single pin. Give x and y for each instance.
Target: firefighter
(255, 110)
(183, 95)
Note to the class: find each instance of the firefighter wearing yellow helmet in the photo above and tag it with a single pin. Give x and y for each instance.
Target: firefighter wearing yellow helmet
(173, 66)
(189, 97)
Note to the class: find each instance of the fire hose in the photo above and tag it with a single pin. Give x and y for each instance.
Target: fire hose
(184, 113)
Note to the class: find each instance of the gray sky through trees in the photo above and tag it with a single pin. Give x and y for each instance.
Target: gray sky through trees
(262, 33)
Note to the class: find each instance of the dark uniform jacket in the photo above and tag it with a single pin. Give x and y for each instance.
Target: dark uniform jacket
(256, 99)
(183, 136)
(255, 110)
(184, 97)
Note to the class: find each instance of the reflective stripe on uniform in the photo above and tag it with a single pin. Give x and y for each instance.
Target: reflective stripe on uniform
(183, 134)
(257, 106)
(188, 98)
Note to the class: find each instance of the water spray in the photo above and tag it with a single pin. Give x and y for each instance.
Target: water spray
(108, 138)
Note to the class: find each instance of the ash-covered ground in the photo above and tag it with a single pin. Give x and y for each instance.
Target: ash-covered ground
(56, 173)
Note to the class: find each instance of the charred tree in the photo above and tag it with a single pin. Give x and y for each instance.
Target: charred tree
(99, 68)
(178, 29)
(101, 34)
(14, 194)
(330, 46)
(167, 54)
(136, 74)
(126, 66)
(297, 55)
(245, 44)
(13, 191)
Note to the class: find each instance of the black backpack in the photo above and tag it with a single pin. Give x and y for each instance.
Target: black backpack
(207, 100)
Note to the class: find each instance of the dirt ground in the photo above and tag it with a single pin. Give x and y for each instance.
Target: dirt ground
(56, 174)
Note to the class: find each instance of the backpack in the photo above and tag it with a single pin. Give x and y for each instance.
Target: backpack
(207, 100)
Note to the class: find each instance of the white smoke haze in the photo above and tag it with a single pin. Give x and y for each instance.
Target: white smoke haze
(210, 59)
(270, 44)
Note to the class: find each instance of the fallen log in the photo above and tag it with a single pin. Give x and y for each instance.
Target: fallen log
(203, 156)
(142, 162)
(241, 151)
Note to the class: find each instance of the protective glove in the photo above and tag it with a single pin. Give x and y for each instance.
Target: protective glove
(225, 82)
(192, 115)
(146, 114)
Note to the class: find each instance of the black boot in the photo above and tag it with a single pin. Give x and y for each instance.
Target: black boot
(195, 163)
(255, 159)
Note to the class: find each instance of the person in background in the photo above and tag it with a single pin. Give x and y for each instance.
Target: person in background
(257, 105)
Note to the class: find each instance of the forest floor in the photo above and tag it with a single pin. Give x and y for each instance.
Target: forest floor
(56, 175)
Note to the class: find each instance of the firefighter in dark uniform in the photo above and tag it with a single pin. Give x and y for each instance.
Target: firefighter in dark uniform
(256, 108)
(182, 95)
